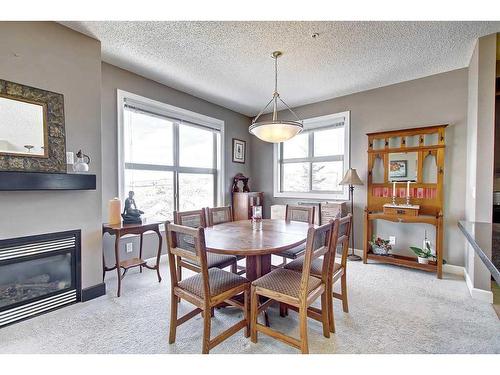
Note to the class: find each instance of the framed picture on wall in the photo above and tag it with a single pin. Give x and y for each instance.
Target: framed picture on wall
(239, 151)
(398, 168)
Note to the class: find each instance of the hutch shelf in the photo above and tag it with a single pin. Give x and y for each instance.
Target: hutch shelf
(394, 158)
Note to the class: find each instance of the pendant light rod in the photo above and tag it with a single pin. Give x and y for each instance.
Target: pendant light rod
(262, 110)
(291, 110)
(275, 55)
(276, 95)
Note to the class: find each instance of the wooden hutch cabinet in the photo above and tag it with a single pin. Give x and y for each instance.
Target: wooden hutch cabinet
(394, 158)
(243, 202)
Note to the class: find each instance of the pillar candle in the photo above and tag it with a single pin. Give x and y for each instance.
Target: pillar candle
(114, 211)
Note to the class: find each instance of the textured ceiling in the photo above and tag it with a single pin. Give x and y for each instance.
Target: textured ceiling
(228, 63)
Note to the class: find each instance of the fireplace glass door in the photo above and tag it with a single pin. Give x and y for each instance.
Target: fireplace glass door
(36, 278)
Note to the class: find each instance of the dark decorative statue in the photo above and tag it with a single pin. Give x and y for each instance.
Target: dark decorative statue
(240, 177)
(131, 215)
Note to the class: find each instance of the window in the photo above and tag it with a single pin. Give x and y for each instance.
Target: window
(312, 164)
(171, 158)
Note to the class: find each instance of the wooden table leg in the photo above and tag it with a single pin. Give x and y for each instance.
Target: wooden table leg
(140, 251)
(103, 266)
(257, 266)
(439, 246)
(366, 237)
(158, 255)
(117, 259)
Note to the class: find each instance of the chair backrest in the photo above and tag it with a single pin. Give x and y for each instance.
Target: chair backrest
(318, 243)
(177, 252)
(219, 215)
(330, 210)
(193, 219)
(304, 214)
(344, 235)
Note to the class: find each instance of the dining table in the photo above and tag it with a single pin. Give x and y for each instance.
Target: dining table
(240, 239)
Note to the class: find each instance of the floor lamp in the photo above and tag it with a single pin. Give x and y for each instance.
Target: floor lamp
(351, 178)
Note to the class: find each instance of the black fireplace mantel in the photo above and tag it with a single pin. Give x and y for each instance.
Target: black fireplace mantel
(29, 181)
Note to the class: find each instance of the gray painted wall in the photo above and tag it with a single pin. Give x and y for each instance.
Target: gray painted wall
(113, 78)
(58, 59)
(480, 148)
(55, 58)
(436, 99)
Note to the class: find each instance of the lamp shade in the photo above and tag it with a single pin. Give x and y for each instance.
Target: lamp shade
(351, 178)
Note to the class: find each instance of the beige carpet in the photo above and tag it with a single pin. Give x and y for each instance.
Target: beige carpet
(392, 310)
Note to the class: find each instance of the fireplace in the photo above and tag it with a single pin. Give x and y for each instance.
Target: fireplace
(38, 274)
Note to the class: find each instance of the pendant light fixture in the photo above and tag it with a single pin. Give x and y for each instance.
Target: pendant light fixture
(275, 131)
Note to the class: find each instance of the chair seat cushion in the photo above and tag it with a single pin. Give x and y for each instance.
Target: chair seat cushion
(294, 252)
(316, 266)
(215, 260)
(220, 281)
(286, 282)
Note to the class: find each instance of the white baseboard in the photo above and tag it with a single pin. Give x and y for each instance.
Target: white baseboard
(479, 294)
(454, 270)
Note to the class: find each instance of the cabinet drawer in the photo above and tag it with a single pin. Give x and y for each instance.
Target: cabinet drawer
(401, 211)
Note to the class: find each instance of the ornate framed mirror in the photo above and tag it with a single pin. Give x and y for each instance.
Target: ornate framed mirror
(32, 136)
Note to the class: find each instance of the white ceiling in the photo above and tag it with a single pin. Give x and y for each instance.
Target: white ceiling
(228, 63)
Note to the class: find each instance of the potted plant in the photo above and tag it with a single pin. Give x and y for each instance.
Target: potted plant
(424, 255)
(380, 246)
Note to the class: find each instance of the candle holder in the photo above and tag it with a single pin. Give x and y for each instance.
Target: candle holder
(408, 193)
(257, 218)
(393, 193)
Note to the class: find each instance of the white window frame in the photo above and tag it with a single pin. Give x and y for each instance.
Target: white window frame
(315, 124)
(169, 111)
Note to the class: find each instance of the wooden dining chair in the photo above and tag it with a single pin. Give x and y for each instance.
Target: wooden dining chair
(298, 290)
(303, 214)
(196, 219)
(220, 215)
(336, 270)
(205, 290)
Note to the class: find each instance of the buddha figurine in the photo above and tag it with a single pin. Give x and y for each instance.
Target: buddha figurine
(131, 215)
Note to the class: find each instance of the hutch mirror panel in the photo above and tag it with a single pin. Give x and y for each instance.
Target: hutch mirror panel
(403, 166)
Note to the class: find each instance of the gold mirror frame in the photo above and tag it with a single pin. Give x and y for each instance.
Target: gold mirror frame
(54, 158)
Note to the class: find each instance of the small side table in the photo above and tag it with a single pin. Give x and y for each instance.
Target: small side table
(120, 230)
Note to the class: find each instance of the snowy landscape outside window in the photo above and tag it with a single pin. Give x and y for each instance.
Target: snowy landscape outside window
(313, 163)
(169, 163)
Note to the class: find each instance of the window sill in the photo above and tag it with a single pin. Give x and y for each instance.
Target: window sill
(319, 196)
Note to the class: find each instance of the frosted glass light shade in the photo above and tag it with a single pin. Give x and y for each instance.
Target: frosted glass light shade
(275, 132)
